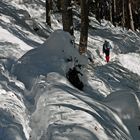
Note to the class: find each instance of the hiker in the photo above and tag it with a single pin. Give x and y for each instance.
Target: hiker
(106, 50)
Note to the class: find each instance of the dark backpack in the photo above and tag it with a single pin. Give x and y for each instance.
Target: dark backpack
(106, 46)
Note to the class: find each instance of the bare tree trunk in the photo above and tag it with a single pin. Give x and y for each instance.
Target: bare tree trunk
(98, 17)
(84, 26)
(67, 17)
(114, 12)
(58, 5)
(110, 10)
(123, 14)
(48, 12)
(131, 16)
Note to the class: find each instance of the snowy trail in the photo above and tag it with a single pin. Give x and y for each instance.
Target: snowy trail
(37, 102)
(61, 115)
(67, 112)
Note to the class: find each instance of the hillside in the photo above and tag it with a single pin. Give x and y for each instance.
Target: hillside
(38, 102)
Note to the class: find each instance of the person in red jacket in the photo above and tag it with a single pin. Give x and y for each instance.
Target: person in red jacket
(106, 50)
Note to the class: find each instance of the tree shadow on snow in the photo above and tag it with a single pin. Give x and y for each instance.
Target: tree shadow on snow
(125, 41)
(105, 114)
(116, 77)
(17, 17)
(69, 131)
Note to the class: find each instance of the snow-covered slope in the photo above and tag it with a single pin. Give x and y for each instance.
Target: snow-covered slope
(52, 56)
(37, 102)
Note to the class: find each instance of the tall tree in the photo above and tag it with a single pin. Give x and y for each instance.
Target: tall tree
(58, 4)
(123, 13)
(110, 10)
(127, 14)
(84, 26)
(48, 11)
(98, 10)
(67, 16)
(114, 12)
(130, 15)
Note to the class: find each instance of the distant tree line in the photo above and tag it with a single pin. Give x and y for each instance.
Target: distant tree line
(125, 13)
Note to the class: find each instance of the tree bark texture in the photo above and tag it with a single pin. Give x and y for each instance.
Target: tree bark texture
(84, 26)
(48, 12)
(67, 17)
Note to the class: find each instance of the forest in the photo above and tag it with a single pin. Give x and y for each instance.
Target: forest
(125, 13)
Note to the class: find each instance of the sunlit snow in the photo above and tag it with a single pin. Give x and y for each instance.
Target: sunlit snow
(37, 102)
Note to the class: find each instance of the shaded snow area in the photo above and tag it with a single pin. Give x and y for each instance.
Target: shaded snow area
(57, 54)
(37, 99)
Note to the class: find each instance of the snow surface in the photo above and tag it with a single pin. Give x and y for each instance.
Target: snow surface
(37, 102)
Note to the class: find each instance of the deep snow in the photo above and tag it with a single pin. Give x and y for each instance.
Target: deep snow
(37, 102)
